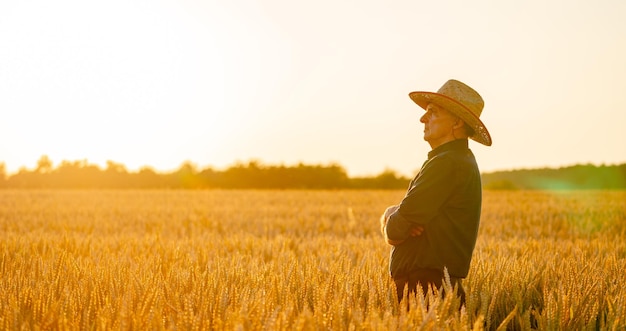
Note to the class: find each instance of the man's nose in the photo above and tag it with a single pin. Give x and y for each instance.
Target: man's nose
(423, 118)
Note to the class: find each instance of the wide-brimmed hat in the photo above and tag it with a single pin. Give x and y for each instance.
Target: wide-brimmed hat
(462, 101)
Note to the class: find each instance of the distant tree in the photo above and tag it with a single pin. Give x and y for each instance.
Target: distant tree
(44, 165)
(210, 178)
(115, 167)
(500, 185)
(3, 174)
(186, 175)
(389, 179)
(148, 178)
(78, 174)
(114, 176)
(22, 179)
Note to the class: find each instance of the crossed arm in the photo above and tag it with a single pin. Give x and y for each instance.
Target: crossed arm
(427, 193)
(384, 218)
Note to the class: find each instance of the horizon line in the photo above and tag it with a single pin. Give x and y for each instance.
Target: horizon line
(264, 164)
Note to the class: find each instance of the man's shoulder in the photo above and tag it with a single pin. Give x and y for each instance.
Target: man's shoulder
(441, 163)
(451, 162)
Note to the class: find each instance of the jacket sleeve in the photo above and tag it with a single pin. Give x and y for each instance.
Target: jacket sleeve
(430, 190)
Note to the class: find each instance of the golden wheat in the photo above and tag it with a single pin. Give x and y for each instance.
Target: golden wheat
(285, 260)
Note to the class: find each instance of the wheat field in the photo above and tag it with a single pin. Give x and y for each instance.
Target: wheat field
(297, 260)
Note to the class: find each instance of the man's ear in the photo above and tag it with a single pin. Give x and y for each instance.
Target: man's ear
(458, 124)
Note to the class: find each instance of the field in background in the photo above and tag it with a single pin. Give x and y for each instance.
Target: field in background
(297, 260)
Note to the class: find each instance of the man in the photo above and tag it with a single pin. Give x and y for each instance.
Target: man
(435, 226)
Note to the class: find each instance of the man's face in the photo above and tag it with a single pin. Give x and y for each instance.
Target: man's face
(438, 125)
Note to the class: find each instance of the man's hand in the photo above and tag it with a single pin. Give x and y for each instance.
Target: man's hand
(416, 231)
(390, 210)
(385, 217)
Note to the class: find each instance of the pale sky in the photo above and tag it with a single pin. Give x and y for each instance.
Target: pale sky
(159, 82)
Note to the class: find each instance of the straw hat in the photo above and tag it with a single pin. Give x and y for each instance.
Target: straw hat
(462, 101)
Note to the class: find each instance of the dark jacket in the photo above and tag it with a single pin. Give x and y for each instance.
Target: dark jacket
(444, 198)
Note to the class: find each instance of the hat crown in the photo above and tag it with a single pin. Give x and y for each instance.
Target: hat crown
(464, 95)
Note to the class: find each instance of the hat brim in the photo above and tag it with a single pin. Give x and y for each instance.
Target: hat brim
(481, 134)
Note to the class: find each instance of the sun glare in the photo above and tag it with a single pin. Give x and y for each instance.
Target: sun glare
(115, 80)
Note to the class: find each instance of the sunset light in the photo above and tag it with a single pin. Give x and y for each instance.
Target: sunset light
(312, 165)
(159, 83)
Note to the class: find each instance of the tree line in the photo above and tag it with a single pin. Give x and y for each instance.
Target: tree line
(251, 175)
(255, 175)
(577, 177)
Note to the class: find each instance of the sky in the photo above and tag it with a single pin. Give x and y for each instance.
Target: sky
(161, 82)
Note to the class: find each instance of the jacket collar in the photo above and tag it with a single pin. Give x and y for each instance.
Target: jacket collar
(458, 144)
